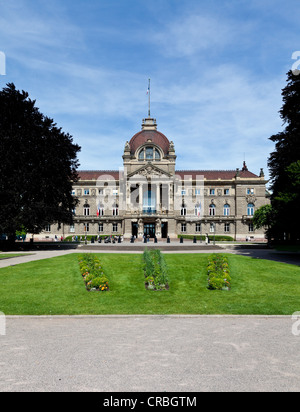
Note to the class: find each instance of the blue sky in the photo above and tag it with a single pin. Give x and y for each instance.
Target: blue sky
(217, 69)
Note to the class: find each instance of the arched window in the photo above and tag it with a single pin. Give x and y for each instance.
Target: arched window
(183, 210)
(100, 210)
(115, 210)
(86, 209)
(250, 209)
(212, 210)
(226, 210)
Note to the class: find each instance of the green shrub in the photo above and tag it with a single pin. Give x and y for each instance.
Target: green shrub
(88, 278)
(100, 283)
(93, 272)
(81, 238)
(155, 270)
(218, 272)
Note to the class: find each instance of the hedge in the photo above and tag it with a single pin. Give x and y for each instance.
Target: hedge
(217, 238)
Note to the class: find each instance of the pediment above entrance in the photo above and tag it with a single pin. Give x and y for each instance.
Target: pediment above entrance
(150, 171)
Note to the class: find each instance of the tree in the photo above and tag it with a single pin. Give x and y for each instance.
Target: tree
(264, 217)
(285, 196)
(38, 164)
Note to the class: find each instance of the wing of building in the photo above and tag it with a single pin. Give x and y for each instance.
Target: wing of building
(148, 196)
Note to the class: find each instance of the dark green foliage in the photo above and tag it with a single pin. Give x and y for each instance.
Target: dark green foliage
(284, 163)
(217, 238)
(37, 166)
(265, 217)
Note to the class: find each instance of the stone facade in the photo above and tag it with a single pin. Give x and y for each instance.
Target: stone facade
(148, 196)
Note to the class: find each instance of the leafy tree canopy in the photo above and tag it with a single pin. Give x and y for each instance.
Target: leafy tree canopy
(263, 217)
(38, 163)
(284, 161)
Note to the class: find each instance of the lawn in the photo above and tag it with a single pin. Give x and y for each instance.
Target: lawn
(11, 255)
(55, 287)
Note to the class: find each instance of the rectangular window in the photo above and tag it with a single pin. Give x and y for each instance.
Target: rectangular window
(73, 192)
(115, 227)
(250, 209)
(212, 228)
(86, 192)
(183, 192)
(226, 192)
(250, 191)
(183, 227)
(115, 192)
(198, 227)
(100, 227)
(47, 228)
(227, 227)
(212, 192)
(72, 229)
(197, 192)
(251, 227)
(86, 227)
(86, 211)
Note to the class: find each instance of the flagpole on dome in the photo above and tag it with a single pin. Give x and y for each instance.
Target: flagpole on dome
(149, 101)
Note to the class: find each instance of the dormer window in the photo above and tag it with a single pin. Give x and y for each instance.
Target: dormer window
(149, 153)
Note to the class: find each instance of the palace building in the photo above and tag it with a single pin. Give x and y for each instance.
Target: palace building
(148, 196)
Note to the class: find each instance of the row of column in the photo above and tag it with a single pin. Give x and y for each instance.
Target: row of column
(158, 200)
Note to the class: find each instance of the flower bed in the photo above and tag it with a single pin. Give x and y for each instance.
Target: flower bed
(93, 273)
(155, 270)
(218, 272)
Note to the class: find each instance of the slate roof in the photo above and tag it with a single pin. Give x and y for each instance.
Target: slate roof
(85, 175)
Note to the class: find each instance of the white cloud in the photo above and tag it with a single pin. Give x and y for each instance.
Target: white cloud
(221, 116)
(189, 35)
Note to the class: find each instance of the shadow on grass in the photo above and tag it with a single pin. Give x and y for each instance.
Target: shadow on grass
(290, 258)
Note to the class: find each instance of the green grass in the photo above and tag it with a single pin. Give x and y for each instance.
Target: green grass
(11, 255)
(55, 286)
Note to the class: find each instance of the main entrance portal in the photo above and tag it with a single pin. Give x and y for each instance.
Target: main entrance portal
(149, 229)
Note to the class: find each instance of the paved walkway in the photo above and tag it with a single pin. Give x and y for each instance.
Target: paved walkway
(150, 354)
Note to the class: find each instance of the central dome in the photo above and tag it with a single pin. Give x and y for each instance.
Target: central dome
(149, 134)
